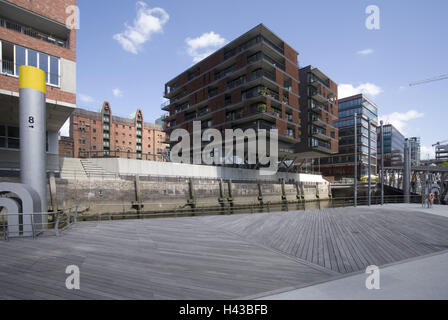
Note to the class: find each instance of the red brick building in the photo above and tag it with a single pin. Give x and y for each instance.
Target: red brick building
(35, 33)
(66, 148)
(319, 111)
(101, 134)
(253, 82)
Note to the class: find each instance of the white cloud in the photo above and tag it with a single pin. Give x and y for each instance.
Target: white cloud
(427, 153)
(65, 130)
(117, 93)
(203, 46)
(148, 22)
(85, 98)
(400, 120)
(365, 52)
(369, 89)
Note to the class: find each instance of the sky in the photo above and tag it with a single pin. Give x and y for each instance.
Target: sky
(127, 50)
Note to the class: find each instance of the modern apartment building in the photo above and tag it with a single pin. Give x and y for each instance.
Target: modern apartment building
(393, 146)
(34, 33)
(101, 134)
(253, 82)
(319, 112)
(442, 152)
(415, 146)
(342, 165)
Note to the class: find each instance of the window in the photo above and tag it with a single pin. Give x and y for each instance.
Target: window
(32, 58)
(212, 92)
(2, 137)
(228, 100)
(7, 57)
(12, 137)
(20, 58)
(14, 56)
(43, 64)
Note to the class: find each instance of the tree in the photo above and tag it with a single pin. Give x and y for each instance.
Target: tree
(444, 164)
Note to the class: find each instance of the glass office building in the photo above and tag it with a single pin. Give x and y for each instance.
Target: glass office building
(393, 147)
(342, 164)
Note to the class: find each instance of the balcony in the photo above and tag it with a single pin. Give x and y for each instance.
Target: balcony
(318, 107)
(322, 146)
(319, 122)
(61, 41)
(318, 97)
(319, 134)
(165, 105)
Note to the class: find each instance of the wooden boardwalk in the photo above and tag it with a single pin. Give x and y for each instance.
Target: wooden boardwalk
(220, 257)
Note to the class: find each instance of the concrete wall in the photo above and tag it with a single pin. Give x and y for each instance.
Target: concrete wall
(68, 76)
(117, 195)
(10, 159)
(165, 169)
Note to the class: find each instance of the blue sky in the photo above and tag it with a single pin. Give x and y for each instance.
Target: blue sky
(127, 50)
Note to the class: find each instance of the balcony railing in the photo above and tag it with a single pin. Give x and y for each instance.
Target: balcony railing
(121, 154)
(316, 80)
(33, 33)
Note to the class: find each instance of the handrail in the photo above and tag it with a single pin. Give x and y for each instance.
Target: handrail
(47, 226)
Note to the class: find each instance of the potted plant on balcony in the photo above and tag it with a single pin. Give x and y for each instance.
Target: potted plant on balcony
(264, 91)
(262, 108)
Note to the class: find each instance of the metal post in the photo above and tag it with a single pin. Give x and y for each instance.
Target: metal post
(76, 215)
(355, 169)
(32, 123)
(56, 225)
(4, 227)
(369, 170)
(406, 171)
(382, 163)
(68, 216)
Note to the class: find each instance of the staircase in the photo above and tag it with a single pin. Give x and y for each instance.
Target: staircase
(94, 171)
(72, 169)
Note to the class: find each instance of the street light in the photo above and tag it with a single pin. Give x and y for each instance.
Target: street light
(382, 164)
(355, 168)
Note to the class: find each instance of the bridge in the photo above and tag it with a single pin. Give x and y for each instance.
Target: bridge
(423, 180)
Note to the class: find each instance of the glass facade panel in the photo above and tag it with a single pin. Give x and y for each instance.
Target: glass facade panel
(32, 58)
(20, 59)
(43, 64)
(54, 71)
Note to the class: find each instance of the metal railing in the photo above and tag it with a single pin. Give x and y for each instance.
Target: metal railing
(41, 223)
(33, 33)
(120, 154)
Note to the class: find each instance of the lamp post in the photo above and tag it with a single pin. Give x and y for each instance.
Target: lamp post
(382, 163)
(355, 167)
(369, 170)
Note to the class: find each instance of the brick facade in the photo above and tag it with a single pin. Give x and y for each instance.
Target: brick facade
(217, 90)
(54, 10)
(66, 149)
(87, 129)
(319, 107)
